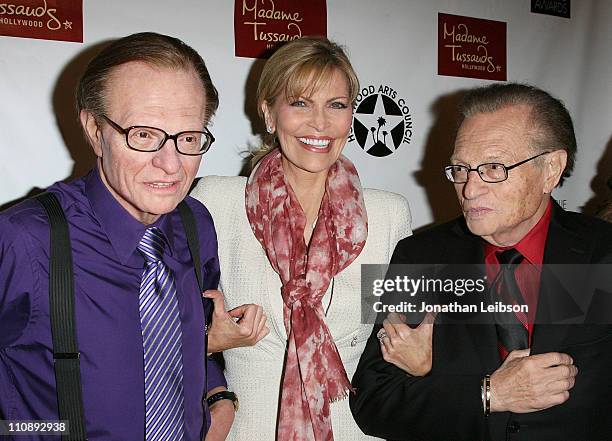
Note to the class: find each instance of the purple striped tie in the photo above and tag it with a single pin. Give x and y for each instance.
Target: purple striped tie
(161, 341)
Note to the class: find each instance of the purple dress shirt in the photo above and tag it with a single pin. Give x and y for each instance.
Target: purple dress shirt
(107, 273)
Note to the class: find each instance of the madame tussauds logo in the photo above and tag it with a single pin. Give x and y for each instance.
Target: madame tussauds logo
(264, 12)
(260, 26)
(382, 122)
(30, 16)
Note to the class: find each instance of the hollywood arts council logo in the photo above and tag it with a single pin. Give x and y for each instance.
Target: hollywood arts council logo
(382, 122)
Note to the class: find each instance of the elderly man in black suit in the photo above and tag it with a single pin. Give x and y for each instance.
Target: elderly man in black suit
(472, 382)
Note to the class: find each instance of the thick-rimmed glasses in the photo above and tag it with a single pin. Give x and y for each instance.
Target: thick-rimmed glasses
(491, 172)
(152, 139)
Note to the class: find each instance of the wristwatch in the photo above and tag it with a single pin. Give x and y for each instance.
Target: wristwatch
(223, 395)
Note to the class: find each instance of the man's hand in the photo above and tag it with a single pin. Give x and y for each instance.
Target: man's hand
(221, 418)
(408, 349)
(525, 383)
(244, 325)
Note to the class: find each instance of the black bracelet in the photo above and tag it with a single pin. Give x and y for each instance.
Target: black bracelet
(223, 395)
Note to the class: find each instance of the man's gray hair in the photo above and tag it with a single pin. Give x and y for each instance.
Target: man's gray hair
(552, 122)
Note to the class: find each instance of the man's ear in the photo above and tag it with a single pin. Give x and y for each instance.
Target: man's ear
(553, 169)
(265, 108)
(92, 130)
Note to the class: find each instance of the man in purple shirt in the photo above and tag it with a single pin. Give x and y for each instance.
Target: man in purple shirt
(144, 103)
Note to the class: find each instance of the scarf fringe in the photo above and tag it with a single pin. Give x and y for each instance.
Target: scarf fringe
(344, 395)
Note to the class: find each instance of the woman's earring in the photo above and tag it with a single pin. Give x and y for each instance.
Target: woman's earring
(269, 129)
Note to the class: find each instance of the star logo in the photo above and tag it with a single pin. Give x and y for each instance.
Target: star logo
(379, 124)
(67, 24)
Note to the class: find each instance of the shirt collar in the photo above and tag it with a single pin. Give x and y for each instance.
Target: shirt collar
(531, 246)
(122, 229)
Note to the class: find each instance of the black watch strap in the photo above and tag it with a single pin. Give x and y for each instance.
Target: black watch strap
(223, 395)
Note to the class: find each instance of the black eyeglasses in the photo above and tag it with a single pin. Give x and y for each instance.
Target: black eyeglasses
(152, 139)
(491, 172)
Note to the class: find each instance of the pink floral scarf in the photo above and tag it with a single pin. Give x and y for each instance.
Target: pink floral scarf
(313, 373)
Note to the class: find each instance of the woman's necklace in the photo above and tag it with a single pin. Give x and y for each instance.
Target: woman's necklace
(314, 223)
(331, 296)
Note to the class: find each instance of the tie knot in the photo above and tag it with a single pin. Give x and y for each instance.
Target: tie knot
(152, 244)
(509, 257)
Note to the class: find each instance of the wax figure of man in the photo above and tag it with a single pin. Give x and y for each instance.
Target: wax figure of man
(144, 103)
(558, 387)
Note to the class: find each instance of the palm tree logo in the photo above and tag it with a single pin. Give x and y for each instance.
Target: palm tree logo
(381, 122)
(376, 139)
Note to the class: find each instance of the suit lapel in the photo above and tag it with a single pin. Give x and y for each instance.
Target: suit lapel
(555, 304)
(563, 244)
(466, 249)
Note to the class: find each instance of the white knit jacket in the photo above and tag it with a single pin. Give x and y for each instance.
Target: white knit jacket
(254, 373)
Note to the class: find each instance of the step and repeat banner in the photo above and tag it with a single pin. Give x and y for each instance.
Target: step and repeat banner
(414, 59)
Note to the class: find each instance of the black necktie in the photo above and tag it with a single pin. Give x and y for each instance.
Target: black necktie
(512, 332)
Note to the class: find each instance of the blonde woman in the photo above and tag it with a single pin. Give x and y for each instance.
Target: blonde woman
(292, 239)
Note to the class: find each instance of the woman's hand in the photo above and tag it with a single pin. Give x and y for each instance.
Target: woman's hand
(244, 325)
(407, 348)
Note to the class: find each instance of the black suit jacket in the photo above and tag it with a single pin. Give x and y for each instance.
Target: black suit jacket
(446, 404)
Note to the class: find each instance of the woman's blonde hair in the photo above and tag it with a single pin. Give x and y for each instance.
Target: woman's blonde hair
(300, 68)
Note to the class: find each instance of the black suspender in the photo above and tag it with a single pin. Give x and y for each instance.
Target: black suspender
(63, 325)
(61, 306)
(191, 232)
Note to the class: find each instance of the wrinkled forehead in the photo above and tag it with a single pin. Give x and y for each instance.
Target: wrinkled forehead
(139, 75)
(135, 82)
(501, 135)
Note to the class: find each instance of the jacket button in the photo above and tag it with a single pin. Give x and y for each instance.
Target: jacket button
(514, 427)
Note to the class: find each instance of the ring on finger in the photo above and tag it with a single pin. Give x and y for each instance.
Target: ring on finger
(381, 334)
